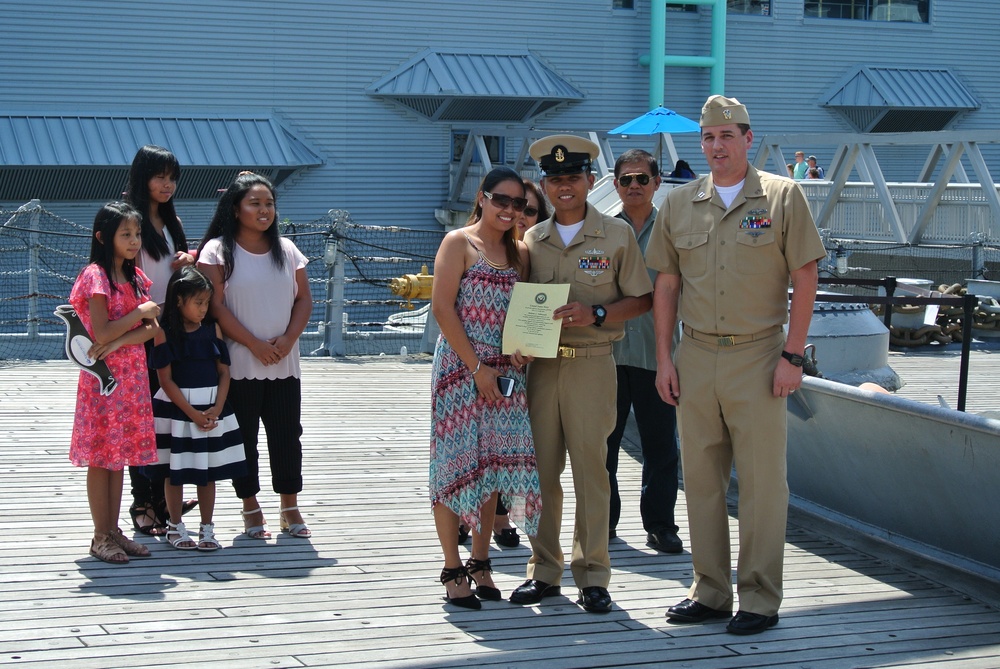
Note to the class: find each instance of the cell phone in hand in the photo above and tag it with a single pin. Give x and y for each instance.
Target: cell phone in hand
(506, 385)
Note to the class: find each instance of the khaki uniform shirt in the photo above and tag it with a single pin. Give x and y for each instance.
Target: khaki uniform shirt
(602, 264)
(734, 264)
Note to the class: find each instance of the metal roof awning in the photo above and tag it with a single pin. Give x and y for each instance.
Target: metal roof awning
(78, 157)
(900, 99)
(475, 87)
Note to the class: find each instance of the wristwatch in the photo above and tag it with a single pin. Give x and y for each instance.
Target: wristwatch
(795, 360)
(600, 313)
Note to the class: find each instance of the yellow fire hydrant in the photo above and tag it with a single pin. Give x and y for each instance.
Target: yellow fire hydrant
(413, 286)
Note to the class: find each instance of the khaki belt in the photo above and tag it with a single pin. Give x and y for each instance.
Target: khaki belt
(584, 351)
(729, 340)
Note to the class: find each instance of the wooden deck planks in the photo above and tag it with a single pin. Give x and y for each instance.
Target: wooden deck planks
(363, 591)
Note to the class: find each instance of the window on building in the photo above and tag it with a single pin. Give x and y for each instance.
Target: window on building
(630, 4)
(754, 7)
(906, 11)
(494, 147)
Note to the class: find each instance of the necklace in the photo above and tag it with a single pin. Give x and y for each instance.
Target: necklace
(494, 265)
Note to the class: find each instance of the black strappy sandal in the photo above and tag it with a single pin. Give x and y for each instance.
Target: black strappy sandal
(485, 592)
(457, 574)
(154, 528)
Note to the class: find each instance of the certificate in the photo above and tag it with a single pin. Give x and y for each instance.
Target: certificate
(529, 327)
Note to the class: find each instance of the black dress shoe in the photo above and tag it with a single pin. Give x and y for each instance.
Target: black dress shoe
(595, 599)
(690, 611)
(533, 592)
(612, 534)
(745, 622)
(664, 541)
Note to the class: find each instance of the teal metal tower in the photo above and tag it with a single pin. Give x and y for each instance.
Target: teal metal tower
(658, 59)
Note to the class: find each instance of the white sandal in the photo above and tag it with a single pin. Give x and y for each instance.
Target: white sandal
(177, 535)
(297, 530)
(206, 538)
(256, 531)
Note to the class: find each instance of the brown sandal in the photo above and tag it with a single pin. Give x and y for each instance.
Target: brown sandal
(131, 548)
(105, 549)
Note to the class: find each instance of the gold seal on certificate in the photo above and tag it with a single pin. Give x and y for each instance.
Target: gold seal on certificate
(529, 327)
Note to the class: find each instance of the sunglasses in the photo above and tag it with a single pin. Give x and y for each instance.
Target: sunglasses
(626, 179)
(504, 201)
(530, 211)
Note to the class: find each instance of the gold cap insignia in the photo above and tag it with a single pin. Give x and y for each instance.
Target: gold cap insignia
(727, 114)
(559, 154)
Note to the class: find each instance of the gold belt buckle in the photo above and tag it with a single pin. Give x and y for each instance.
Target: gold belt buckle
(729, 340)
(567, 352)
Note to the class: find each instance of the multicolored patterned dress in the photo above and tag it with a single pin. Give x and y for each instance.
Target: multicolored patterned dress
(112, 431)
(480, 446)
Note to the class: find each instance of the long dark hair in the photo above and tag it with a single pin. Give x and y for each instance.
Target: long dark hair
(225, 223)
(184, 284)
(496, 176)
(102, 251)
(152, 161)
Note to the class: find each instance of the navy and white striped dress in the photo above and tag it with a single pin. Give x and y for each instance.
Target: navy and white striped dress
(187, 455)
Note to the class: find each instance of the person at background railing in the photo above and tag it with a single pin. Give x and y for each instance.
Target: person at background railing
(261, 301)
(813, 173)
(572, 396)
(800, 167)
(152, 182)
(537, 210)
(682, 171)
(729, 243)
(811, 162)
(637, 176)
(481, 441)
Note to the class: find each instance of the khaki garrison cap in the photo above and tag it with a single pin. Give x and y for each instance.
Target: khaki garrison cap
(563, 154)
(719, 110)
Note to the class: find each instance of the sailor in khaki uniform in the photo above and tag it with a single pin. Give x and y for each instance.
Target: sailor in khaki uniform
(726, 246)
(572, 398)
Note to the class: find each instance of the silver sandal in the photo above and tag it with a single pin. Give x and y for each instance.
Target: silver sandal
(206, 538)
(177, 535)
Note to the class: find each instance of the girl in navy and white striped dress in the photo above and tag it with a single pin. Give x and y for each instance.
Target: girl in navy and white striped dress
(197, 437)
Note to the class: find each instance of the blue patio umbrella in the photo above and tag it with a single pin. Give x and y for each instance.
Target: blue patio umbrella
(656, 121)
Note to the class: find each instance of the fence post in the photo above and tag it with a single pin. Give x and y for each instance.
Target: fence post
(333, 258)
(35, 206)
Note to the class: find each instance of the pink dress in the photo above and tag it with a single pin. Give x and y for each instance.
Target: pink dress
(115, 430)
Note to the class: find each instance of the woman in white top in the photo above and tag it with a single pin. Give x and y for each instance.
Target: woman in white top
(152, 181)
(262, 303)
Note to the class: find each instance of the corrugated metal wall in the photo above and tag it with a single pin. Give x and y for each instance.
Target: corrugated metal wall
(308, 64)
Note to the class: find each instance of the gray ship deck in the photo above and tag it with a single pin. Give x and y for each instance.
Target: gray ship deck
(363, 591)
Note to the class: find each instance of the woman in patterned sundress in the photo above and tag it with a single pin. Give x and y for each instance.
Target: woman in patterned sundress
(481, 441)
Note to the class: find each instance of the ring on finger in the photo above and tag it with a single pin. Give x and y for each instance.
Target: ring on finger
(570, 319)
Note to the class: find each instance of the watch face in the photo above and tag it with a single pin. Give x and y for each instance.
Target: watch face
(601, 311)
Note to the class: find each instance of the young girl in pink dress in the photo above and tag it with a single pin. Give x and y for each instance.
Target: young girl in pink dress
(110, 432)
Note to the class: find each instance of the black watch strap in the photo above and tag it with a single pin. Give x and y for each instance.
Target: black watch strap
(795, 360)
(600, 313)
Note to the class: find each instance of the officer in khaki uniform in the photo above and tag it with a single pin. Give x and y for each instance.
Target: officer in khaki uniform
(725, 247)
(571, 398)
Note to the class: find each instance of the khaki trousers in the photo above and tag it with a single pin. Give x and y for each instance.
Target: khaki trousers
(572, 407)
(727, 413)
